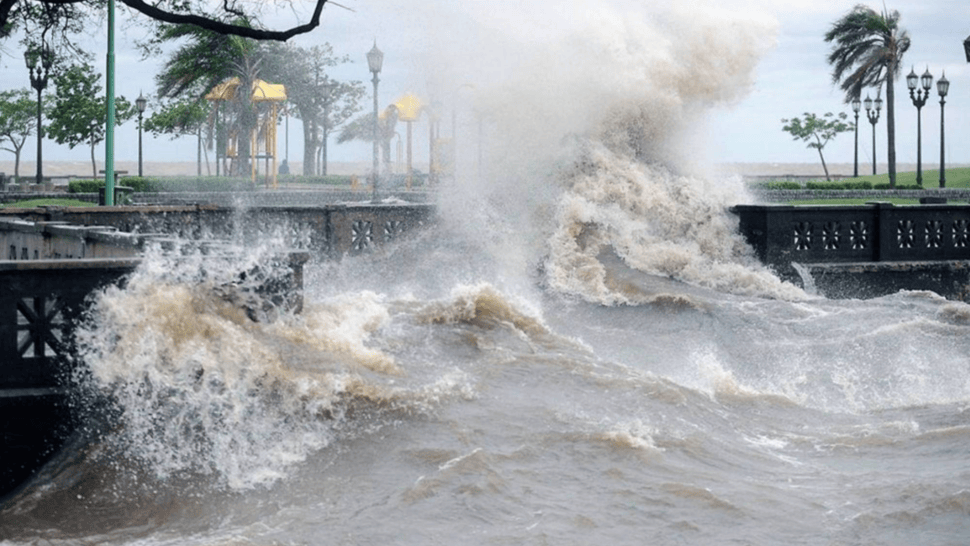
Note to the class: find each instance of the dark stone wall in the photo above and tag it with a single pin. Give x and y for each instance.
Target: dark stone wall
(864, 251)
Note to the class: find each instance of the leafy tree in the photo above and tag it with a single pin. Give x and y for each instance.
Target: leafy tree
(220, 17)
(868, 51)
(180, 118)
(18, 120)
(323, 104)
(818, 131)
(79, 112)
(206, 59)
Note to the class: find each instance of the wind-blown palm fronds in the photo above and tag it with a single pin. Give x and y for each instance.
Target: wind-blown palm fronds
(868, 51)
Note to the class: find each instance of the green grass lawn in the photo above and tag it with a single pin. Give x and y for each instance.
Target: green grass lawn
(30, 203)
(955, 178)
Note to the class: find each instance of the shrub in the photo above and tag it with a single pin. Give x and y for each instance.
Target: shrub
(85, 186)
(777, 185)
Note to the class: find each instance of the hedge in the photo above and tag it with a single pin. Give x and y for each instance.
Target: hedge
(148, 184)
(777, 185)
(841, 185)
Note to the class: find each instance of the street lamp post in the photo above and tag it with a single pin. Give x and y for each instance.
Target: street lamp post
(873, 115)
(140, 103)
(856, 106)
(375, 58)
(919, 97)
(942, 86)
(39, 73)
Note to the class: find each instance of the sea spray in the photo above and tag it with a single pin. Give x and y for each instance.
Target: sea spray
(583, 130)
(203, 389)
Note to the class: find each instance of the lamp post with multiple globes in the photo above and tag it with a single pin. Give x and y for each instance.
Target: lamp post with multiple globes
(39, 62)
(919, 97)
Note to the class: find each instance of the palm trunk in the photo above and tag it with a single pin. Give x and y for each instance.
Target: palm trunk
(891, 128)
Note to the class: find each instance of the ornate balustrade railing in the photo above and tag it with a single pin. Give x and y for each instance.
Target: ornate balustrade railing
(875, 232)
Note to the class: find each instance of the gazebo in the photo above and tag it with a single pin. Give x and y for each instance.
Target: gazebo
(263, 92)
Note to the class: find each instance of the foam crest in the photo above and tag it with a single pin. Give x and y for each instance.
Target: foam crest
(483, 306)
(634, 434)
(658, 223)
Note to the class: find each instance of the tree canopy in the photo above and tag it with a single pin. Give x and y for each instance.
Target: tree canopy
(322, 103)
(18, 120)
(818, 131)
(80, 110)
(205, 59)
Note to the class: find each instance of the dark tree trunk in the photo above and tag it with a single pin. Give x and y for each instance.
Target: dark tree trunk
(323, 153)
(309, 148)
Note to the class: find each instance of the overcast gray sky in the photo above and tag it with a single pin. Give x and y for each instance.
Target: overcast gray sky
(773, 50)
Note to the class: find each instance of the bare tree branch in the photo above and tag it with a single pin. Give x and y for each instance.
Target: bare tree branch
(224, 28)
(10, 7)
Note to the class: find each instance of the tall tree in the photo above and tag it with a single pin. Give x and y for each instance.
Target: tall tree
(818, 131)
(18, 120)
(79, 113)
(322, 103)
(868, 51)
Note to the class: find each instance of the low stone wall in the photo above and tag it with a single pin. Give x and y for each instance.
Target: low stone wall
(328, 231)
(950, 279)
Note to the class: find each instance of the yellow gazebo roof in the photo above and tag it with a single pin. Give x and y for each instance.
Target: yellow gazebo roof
(408, 107)
(262, 91)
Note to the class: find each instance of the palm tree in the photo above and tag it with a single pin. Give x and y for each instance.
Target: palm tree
(868, 52)
(362, 128)
(204, 60)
